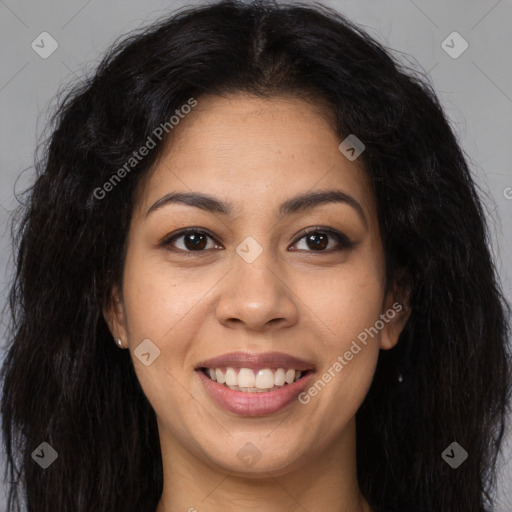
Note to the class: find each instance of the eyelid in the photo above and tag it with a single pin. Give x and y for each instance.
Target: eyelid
(185, 231)
(343, 241)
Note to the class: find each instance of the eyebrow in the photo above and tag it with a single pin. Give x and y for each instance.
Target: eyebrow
(298, 203)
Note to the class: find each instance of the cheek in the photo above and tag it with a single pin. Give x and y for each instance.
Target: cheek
(159, 299)
(162, 306)
(348, 343)
(345, 302)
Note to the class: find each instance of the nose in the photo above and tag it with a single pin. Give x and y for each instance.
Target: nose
(256, 296)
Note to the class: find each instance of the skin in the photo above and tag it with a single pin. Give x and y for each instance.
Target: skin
(255, 154)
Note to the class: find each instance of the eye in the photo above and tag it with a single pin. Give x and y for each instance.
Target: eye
(317, 240)
(194, 240)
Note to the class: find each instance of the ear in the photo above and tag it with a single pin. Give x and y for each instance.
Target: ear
(396, 312)
(114, 315)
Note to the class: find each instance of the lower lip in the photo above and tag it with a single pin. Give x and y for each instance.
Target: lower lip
(254, 404)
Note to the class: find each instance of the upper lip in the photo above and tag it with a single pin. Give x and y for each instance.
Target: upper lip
(272, 360)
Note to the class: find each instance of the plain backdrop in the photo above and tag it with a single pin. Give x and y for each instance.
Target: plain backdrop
(475, 89)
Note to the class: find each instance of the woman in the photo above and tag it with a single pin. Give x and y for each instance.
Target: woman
(275, 224)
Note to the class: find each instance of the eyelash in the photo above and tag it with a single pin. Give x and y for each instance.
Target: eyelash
(343, 241)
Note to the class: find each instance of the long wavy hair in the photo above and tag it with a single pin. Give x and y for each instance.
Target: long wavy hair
(65, 382)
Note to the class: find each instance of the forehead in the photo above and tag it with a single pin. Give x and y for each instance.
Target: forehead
(250, 150)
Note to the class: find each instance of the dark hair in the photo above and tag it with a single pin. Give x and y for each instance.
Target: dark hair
(67, 384)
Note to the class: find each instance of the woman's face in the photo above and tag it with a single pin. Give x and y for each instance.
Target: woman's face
(253, 282)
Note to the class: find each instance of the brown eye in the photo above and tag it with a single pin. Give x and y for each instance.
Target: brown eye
(318, 239)
(193, 240)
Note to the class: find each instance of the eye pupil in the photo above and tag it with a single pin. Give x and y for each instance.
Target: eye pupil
(197, 243)
(317, 243)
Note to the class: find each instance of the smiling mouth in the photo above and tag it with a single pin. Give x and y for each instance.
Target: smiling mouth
(249, 380)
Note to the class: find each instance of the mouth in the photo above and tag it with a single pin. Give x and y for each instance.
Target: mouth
(249, 384)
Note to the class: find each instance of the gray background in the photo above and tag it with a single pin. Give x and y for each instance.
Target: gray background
(475, 89)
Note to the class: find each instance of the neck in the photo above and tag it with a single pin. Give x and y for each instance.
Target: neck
(327, 482)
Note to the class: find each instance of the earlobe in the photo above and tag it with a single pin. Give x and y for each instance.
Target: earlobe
(113, 313)
(397, 317)
(397, 312)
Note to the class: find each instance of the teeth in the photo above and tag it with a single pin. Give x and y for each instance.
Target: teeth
(265, 379)
(279, 377)
(251, 381)
(220, 376)
(231, 378)
(246, 378)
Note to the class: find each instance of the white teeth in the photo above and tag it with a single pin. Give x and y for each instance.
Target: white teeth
(220, 376)
(264, 379)
(279, 377)
(231, 378)
(245, 379)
